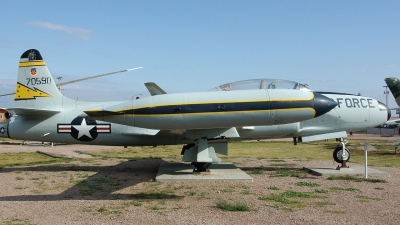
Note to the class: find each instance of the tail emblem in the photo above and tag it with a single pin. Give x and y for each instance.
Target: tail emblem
(26, 93)
(33, 71)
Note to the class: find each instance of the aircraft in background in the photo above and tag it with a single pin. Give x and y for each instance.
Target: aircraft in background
(391, 124)
(393, 84)
(205, 121)
(4, 114)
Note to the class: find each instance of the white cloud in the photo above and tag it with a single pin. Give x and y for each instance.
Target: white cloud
(83, 34)
(392, 66)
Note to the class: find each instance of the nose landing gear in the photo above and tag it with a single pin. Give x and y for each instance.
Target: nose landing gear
(341, 154)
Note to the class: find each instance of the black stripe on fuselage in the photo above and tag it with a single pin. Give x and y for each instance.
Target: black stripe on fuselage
(220, 107)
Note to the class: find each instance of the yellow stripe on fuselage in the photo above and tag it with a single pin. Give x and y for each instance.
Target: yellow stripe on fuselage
(219, 102)
(209, 113)
(32, 63)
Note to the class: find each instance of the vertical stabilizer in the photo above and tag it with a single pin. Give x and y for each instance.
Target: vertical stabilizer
(394, 85)
(35, 86)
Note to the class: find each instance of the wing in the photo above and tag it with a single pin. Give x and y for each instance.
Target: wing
(101, 75)
(324, 136)
(33, 112)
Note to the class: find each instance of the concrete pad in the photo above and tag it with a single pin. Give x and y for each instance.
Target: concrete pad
(183, 172)
(333, 171)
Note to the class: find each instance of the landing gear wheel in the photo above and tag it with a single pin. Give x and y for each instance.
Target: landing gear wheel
(338, 155)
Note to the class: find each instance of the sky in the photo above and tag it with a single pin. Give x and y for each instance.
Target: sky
(190, 46)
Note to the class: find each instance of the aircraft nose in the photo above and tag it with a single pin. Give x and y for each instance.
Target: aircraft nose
(323, 104)
(383, 107)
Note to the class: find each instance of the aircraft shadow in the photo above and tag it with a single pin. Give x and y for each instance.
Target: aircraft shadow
(105, 184)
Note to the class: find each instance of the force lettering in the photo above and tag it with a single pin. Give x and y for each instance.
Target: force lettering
(355, 102)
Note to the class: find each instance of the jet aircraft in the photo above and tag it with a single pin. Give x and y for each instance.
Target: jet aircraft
(205, 121)
(391, 124)
(394, 86)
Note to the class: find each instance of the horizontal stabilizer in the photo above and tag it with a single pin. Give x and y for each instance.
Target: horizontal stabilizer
(33, 112)
(325, 136)
(154, 89)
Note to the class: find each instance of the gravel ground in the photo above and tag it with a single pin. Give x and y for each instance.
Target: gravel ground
(119, 191)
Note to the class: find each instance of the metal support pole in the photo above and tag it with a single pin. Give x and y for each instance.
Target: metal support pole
(365, 159)
(386, 93)
(343, 153)
(366, 162)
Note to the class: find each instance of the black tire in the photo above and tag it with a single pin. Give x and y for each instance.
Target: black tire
(337, 155)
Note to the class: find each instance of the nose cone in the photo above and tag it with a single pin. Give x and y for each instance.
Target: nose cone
(383, 107)
(323, 104)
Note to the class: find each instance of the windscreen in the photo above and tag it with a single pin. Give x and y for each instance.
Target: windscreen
(261, 84)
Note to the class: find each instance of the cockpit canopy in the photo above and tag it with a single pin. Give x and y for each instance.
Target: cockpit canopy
(261, 84)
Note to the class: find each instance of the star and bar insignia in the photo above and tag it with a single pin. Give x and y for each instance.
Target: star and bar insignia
(84, 130)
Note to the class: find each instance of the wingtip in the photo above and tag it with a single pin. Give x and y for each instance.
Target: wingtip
(137, 68)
